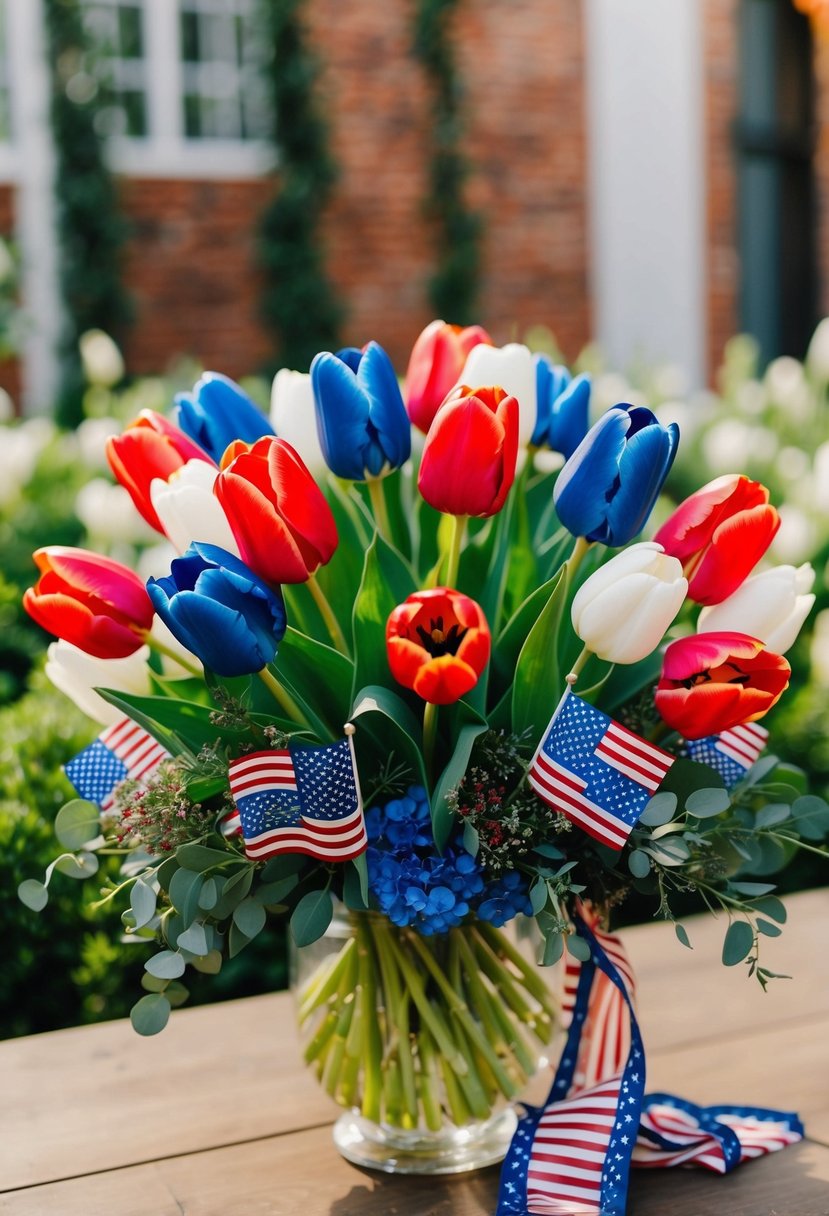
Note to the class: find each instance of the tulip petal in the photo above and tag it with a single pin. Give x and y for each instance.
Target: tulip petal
(386, 411)
(225, 642)
(569, 420)
(217, 412)
(582, 486)
(643, 467)
(703, 651)
(342, 416)
(735, 549)
(444, 680)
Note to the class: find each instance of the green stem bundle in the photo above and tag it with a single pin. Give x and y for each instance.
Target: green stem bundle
(420, 1031)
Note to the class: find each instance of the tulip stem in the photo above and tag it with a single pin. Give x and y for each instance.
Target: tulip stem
(169, 653)
(578, 666)
(283, 698)
(378, 506)
(430, 722)
(327, 614)
(458, 532)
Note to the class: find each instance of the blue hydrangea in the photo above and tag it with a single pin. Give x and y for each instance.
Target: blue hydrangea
(414, 885)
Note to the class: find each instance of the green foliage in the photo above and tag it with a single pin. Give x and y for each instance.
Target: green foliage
(453, 289)
(298, 301)
(91, 229)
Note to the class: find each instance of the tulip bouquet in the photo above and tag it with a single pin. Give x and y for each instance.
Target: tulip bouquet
(438, 684)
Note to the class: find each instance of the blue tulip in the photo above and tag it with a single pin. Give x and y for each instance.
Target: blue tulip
(608, 487)
(218, 608)
(363, 426)
(562, 404)
(218, 411)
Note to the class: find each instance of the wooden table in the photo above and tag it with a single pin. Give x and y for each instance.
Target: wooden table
(216, 1116)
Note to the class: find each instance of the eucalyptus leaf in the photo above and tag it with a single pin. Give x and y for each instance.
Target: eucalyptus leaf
(739, 940)
(176, 994)
(671, 851)
(236, 940)
(354, 897)
(194, 940)
(209, 894)
(768, 928)
(772, 907)
(751, 888)
(77, 823)
(774, 813)
(209, 964)
(185, 888)
(311, 917)
(250, 917)
(166, 965)
(682, 934)
(150, 1015)
(811, 817)
(659, 810)
(199, 857)
(538, 895)
(275, 892)
(78, 865)
(639, 863)
(704, 804)
(471, 839)
(550, 851)
(578, 947)
(33, 894)
(553, 949)
(759, 771)
(143, 903)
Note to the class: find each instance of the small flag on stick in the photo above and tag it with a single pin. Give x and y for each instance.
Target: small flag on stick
(731, 753)
(123, 752)
(597, 772)
(300, 800)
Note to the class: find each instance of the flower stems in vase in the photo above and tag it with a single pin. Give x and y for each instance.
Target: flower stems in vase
(419, 1031)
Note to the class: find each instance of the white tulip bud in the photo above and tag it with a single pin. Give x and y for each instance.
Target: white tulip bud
(512, 368)
(189, 510)
(622, 611)
(771, 606)
(294, 418)
(76, 674)
(102, 360)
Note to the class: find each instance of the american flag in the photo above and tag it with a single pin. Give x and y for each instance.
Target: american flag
(731, 753)
(598, 773)
(300, 800)
(124, 751)
(675, 1132)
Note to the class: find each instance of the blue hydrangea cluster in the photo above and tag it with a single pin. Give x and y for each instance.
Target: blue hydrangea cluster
(414, 885)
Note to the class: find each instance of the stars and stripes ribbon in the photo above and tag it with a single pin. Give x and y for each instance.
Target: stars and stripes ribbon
(732, 752)
(299, 800)
(123, 752)
(572, 1157)
(598, 773)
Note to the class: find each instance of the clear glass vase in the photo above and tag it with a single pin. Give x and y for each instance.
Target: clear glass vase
(426, 1041)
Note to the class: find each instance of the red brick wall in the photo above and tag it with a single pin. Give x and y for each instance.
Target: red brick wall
(9, 368)
(191, 261)
(721, 57)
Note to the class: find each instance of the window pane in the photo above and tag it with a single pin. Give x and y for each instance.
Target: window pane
(223, 97)
(116, 31)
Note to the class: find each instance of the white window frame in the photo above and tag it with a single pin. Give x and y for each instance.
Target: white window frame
(166, 151)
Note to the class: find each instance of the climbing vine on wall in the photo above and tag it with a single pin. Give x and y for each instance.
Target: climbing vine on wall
(91, 231)
(298, 302)
(454, 287)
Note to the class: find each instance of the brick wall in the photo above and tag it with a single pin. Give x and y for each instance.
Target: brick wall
(721, 58)
(191, 261)
(9, 368)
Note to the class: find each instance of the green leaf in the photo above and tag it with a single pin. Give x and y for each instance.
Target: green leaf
(210, 964)
(772, 907)
(751, 888)
(77, 823)
(235, 890)
(311, 917)
(538, 895)
(33, 894)
(390, 725)
(639, 863)
(537, 682)
(507, 648)
(739, 940)
(78, 865)
(236, 940)
(150, 1015)
(132, 707)
(811, 817)
(209, 894)
(324, 675)
(775, 812)
(166, 965)
(686, 776)
(669, 850)
(768, 928)
(386, 582)
(143, 903)
(354, 896)
(250, 917)
(194, 939)
(199, 857)
(275, 892)
(443, 817)
(548, 850)
(659, 810)
(682, 934)
(471, 839)
(185, 889)
(759, 771)
(578, 947)
(553, 949)
(706, 803)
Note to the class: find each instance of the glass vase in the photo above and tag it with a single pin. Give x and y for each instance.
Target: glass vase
(426, 1041)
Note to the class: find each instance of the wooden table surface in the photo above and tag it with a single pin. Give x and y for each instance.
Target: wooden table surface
(217, 1117)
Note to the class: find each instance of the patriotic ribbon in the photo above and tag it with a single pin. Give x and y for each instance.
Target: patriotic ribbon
(572, 1156)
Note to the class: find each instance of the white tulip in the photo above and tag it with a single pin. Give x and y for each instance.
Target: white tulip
(294, 418)
(622, 611)
(771, 606)
(817, 357)
(189, 510)
(76, 674)
(102, 360)
(512, 368)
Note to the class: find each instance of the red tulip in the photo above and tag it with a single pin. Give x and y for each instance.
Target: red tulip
(438, 644)
(150, 447)
(435, 365)
(713, 681)
(468, 462)
(91, 601)
(719, 534)
(283, 525)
